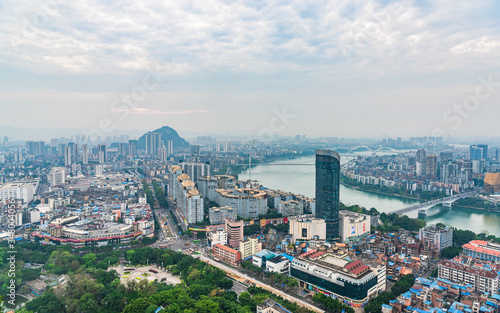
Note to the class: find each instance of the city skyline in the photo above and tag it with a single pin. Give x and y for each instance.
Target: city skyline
(343, 69)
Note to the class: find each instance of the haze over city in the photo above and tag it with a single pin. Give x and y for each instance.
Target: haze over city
(248, 156)
(343, 68)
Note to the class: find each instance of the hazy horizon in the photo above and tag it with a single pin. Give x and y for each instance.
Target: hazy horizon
(343, 69)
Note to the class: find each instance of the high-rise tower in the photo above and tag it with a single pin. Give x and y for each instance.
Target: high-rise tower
(328, 190)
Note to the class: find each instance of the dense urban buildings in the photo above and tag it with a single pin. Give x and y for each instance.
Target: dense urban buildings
(328, 191)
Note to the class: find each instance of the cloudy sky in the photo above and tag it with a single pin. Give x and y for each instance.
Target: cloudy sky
(320, 68)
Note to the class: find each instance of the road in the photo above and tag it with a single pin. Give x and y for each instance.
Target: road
(257, 283)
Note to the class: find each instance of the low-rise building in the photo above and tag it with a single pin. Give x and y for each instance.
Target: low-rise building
(227, 254)
(278, 264)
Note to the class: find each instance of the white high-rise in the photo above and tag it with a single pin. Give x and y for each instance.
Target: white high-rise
(56, 176)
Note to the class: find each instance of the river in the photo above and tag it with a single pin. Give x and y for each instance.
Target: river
(301, 179)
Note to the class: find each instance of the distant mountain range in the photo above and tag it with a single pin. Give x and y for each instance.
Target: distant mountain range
(167, 133)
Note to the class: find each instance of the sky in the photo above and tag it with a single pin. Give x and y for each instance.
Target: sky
(257, 68)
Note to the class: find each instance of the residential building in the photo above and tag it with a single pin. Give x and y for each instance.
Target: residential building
(153, 143)
(102, 154)
(439, 237)
(328, 190)
(478, 152)
(482, 279)
(56, 176)
(431, 165)
(248, 202)
(218, 215)
(249, 247)
(291, 208)
(196, 170)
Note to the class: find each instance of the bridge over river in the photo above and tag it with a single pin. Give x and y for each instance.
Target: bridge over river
(447, 201)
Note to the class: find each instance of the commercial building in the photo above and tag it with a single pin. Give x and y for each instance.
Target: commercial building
(492, 183)
(218, 215)
(291, 208)
(328, 190)
(88, 233)
(483, 250)
(17, 190)
(278, 264)
(307, 227)
(349, 281)
(227, 254)
(56, 176)
(353, 226)
(261, 257)
(439, 237)
(249, 247)
(234, 231)
(249, 203)
(216, 237)
(482, 279)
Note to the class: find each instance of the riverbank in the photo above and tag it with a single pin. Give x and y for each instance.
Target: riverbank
(380, 192)
(416, 199)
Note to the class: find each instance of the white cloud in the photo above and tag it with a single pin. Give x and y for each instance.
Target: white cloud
(101, 36)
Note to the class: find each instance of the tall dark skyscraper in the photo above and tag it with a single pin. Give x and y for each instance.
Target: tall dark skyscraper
(328, 190)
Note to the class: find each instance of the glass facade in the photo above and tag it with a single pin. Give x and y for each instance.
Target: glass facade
(328, 191)
(349, 290)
